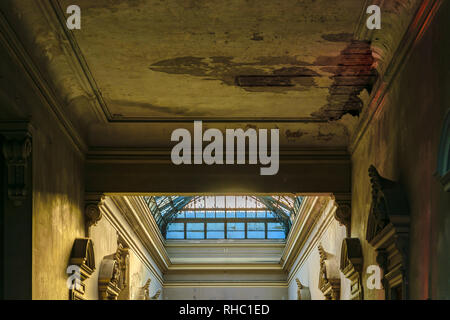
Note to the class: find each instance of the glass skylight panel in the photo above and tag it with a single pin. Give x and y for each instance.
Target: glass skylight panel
(241, 214)
(189, 214)
(256, 230)
(200, 214)
(215, 230)
(195, 230)
(251, 214)
(220, 202)
(236, 230)
(231, 214)
(175, 231)
(230, 201)
(251, 202)
(210, 202)
(275, 231)
(220, 214)
(224, 217)
(241, 202)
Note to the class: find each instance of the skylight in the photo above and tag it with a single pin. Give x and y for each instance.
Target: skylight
(224, 217)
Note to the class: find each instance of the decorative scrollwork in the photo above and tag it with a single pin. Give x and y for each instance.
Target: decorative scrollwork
(113, 273)
(352, 264)
(388, 233)
(92, 211)
(16, 150)
(82, 255)
(330, 286)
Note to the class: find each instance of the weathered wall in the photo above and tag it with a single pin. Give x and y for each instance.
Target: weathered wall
(57, 182)
(402, 142)
(57, 211)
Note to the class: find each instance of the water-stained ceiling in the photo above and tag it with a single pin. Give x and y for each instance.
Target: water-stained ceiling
(198, 59)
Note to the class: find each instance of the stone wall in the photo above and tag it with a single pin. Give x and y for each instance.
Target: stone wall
(54, 217)
(58, 215)
(402, 143)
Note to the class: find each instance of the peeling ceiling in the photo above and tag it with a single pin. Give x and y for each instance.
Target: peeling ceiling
(253, 59)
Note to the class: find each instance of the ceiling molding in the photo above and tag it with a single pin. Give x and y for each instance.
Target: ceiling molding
(256, 119)
(162, 155)
(393, 53)
(221, 284)
(224, 243)
(141, 222)
(299, 224)
(57, 18)
(324, 221)
(305, 224)
(17, 51)
(55, 15)
(315, 220)
(226, 266)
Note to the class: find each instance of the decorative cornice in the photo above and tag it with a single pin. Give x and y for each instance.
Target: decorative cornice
(225, 243)
(223, 284)
(343, 213)
(352, 266)
(92, 209)
(304, 220)
(388, 232)
(17, 51)
(392, 46)
(162, 155)
(57, 19)
(81, 256)
(226, 266)
(111, 276)
(139, 217)
(330, 287)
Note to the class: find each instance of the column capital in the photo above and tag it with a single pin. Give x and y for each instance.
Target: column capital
(17, 147)
(343, 213)
(93, 214)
